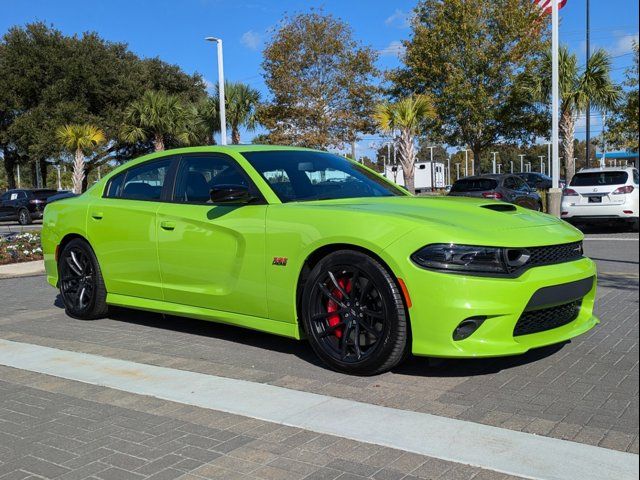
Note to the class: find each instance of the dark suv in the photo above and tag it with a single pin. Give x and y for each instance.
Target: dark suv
(24, 205)
(507, 188)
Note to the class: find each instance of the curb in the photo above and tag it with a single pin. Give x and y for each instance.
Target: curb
(22, 269)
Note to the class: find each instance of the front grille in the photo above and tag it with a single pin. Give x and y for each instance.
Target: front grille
(555, 254)
(550, 255)
(536, 321)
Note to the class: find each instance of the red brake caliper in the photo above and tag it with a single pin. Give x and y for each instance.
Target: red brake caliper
(332, 306)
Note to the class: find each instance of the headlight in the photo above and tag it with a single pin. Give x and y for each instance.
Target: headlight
(461, 258)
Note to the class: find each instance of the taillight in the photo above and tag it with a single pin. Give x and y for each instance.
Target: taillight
(36, 202)
(494, 195)
(623, 190)
(570, 192)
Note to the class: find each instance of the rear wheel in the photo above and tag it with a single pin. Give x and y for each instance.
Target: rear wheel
(354, 315)
(24, 217)
(80, 280)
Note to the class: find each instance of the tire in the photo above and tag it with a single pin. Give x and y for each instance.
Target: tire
(635, 225)
(80, 280)
(24, 217)
(354, 315)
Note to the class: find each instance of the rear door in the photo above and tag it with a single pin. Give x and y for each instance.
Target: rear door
(526, 196)
(122, 229)
(212, 256)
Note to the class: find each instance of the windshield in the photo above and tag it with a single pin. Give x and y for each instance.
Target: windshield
(474, 185)
(297, 175)
(594, 179)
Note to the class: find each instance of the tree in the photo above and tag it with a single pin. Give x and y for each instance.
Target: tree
(241, 104)
(80, 139)
(320, 81)
(622, 126)
(576, 89)
(50, 80)
(158, 117)
(407, 116)
(470, 56)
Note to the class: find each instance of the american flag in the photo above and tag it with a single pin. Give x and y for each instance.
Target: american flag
(545, 5)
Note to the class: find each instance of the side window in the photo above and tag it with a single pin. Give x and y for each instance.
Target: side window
(5, 197)
(280, 182)
(520, 184)
(197, 175)
(510, 183)
(114, 186)
(145, 182)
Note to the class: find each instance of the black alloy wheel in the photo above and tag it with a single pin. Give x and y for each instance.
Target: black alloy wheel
(354, 314)
(80, 281)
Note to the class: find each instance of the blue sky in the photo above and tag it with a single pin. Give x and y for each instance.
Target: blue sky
(174, 30)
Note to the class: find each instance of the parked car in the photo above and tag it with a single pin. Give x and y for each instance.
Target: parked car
(307, 244)
(602, 195)
(508, 188)
(23, 205)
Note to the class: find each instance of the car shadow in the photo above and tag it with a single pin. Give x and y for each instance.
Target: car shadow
(413, 366)
(603, 228)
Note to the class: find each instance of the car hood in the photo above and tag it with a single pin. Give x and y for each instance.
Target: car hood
(462, 217)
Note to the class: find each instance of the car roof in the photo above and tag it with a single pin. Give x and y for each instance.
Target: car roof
(606, 169)
(494, 176)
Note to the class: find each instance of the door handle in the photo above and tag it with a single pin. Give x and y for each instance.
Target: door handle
(96, 215)
(167, 226)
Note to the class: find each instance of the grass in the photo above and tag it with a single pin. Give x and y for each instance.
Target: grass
(20, 247)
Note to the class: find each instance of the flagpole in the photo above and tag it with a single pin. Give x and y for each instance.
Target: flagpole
(555, 193)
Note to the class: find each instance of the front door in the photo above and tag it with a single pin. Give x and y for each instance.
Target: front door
(212, 256)
(122, 230)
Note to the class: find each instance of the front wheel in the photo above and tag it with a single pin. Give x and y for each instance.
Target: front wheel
(80, 280)
(354, 315)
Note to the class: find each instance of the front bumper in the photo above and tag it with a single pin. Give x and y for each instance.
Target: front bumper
(440, 301)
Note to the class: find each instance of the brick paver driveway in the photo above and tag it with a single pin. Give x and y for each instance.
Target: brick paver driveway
(585, 390)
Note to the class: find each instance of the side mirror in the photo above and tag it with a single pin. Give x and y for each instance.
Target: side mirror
(231, 194)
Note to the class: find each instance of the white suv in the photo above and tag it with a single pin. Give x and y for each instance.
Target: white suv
(602, 194)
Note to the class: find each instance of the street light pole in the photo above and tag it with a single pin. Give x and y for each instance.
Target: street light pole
(223, 116)
(521, 162)
(458, 171)
(588, 110)
(466, 163)
(541, 157)
(494, 161)
(449, 170)
(433, 171)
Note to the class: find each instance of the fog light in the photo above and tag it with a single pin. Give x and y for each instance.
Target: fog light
(467, 327)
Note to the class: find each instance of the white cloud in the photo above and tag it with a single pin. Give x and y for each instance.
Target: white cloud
(623, 45)
(395, 49)
(398, 19)
(252, 40)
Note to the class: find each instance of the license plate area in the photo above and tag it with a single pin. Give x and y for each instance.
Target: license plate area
(595, 199)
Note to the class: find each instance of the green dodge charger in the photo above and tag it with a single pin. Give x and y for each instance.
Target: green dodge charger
(307, 244)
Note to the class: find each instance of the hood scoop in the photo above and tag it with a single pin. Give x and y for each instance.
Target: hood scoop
(500, 207)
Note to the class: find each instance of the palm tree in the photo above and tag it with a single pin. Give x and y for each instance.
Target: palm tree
(156, 117)
(577, 88)
(79, 139)
(407, 116)
(241, 104)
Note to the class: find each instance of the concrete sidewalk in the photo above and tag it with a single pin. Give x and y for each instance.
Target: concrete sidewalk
(22, 269)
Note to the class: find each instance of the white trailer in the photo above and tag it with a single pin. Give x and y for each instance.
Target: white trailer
(423, 179)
